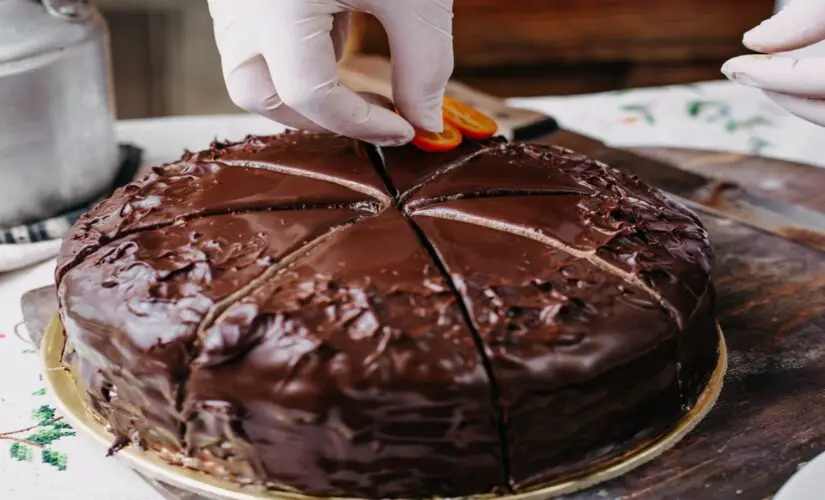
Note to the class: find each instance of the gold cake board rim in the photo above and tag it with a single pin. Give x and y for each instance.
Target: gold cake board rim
(60, 384)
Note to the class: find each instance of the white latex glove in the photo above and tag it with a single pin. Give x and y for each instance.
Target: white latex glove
(279, 60)
(798, 85)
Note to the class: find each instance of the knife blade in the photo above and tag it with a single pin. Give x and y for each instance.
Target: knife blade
(703, 194)
(38, 305)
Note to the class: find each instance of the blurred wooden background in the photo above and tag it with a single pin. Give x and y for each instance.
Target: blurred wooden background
(166, 64)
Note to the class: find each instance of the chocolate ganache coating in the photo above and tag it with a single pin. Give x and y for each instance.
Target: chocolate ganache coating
(308, 313)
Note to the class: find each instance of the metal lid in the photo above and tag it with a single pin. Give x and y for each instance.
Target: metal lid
(31, 27)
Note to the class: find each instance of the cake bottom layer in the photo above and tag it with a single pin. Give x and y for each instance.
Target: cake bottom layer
(613, 437)
(61, 382)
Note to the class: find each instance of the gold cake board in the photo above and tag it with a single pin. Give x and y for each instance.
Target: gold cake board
(60, 383)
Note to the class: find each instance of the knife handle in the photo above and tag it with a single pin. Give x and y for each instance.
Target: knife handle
(374, 74)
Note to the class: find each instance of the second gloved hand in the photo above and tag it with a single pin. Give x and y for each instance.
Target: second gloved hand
(279, 60)
(798, 85)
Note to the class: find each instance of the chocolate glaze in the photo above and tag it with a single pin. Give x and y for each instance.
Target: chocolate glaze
(408, 167)
(377, 388)
(134, 306)
(481, 175)
(668, 252)
(187, 189)
(338, 159)
(550, 324)
(517, 315)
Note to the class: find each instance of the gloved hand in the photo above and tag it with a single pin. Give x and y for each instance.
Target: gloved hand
(798, 85)
(279, 60)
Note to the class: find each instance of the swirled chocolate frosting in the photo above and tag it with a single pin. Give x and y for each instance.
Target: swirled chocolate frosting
(308, 313)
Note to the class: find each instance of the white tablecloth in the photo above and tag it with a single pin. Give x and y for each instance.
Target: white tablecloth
(40, 458)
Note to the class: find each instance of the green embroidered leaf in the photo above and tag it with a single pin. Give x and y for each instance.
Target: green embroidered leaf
(61, 424)
(718, 109)
(44, 414)
(695, 107)
(21, 452)
(48, 435)
(28, 351)
(39, 392)
(755, 122)
(54, 458)
(733, 126)
(44, 436)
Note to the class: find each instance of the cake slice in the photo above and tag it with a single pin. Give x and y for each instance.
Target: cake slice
(508, 169)
(408, 167)
(185, 190)
(350, 373)
(132, 309)
(586, 364)
(332, 158)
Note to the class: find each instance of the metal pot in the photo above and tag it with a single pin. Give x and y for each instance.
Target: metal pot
(57, 139)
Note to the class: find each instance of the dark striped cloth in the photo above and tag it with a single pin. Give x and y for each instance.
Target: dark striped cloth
(57, 227)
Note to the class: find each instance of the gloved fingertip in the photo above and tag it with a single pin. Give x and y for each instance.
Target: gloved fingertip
(726, 70)
(391, 143)
(732, 69)
(757, 39)
(427, 117)
(395, 140)
(759, 70)
(392, 130)
(797, 25)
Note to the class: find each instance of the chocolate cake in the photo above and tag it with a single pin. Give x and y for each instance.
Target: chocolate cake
(308, 313)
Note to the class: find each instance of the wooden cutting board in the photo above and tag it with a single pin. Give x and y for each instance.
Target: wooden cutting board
(770, 418)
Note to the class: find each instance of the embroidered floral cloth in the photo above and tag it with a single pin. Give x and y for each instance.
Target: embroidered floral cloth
(42, 458)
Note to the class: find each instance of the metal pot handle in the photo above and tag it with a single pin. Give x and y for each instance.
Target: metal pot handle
(68, 10)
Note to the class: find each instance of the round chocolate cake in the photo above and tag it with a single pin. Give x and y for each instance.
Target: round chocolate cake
(308, 313)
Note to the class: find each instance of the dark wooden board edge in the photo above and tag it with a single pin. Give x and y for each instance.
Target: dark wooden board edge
(787, 181)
